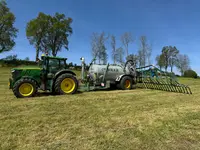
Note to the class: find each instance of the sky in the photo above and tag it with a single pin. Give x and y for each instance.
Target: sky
(163, 22)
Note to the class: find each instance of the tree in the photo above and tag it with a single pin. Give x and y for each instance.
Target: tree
(133, 57)
(149, 51)
(120, 55)
(49, 33)
(98, 47)
(36, 31)
(144, 52)
(183, 63)
(7, 31)
(94, 45)
(113, 45)
(190, 73)
(160, 61)
(126, 39)
(140, 59)
(71, 64)
(173, 57)
(170, 56)
(103, 56)
(165, 53)
(27, 59)
(11, 57)
(58, 32)
(117, 53)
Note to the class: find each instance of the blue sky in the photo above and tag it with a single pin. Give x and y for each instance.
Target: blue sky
(164, 22)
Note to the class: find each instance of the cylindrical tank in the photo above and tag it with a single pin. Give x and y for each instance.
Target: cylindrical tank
(97, 71)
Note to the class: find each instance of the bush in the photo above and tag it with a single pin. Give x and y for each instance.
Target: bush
(15, 63)
(190, 73)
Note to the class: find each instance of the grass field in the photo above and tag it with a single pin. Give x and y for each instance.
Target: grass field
(136, 119)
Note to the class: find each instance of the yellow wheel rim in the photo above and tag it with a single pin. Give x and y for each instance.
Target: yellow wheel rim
(26, 89)
(68, 85)
(127, 84)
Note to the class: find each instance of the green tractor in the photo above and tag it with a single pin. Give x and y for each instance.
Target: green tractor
(51, 75)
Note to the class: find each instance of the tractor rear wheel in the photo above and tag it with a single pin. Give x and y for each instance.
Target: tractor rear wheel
(66, 84)
(25, 88)
(126, 83)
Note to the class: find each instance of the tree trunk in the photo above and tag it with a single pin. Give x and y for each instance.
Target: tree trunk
(127, 50)
(182, 72)
(165, 68)
(54, 53)
(99, 60)
(37, 54)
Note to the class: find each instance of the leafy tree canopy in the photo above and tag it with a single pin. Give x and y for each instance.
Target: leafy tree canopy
(11, 57)
(190, 73)
(7, 31)
(49, 33)
(160, 61)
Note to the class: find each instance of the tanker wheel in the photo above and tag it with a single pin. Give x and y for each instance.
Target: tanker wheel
(25, 88)
(66, 84)
(126, 83)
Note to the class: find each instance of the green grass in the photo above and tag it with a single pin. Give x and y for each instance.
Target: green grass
(136, 119)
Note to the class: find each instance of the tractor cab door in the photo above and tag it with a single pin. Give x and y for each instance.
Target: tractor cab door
(55, 65)
(52, 67)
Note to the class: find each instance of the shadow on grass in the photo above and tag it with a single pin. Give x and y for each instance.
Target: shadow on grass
(45, 94)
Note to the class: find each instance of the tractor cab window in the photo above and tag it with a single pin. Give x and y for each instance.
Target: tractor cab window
(62, 64)
(55, 65)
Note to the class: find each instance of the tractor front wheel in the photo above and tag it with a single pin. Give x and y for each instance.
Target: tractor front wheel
(126, 83)
(25, 88)
(66, 84)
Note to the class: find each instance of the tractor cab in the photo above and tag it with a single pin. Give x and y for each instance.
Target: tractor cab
(53, 64)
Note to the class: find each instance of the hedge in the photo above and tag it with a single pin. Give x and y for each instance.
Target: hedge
(190, 74)
(14, 63)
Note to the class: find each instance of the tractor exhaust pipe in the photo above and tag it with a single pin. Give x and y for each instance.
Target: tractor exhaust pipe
(83, 67)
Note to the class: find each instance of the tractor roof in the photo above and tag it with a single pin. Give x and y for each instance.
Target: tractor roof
(52, 57)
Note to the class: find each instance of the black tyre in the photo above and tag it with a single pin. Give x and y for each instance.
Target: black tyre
(66, 84)
(25, 88)
(126, 83)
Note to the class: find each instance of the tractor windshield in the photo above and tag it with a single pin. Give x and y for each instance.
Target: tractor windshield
(56, 65)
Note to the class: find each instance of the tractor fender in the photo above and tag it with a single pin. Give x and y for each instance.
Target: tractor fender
(29, 77)
(62, 72)
(118, 79)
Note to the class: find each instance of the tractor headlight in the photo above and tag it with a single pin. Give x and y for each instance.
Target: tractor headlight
(15, 73)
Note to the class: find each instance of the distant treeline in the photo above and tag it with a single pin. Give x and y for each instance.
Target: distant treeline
(19, 62)
(15, 63)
